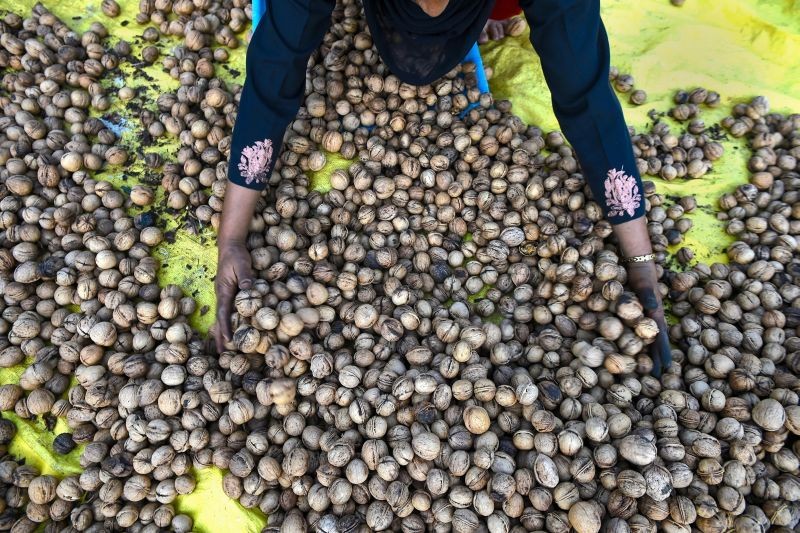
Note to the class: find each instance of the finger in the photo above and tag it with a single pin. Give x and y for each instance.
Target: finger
(649, 300)
(244, 274)
(245, 278)
(656, 372)
(219, 342)
(661, 349)
(496, 32)
(665, 349)
(225, 322)
(214, 340)
(483, 38)
(224, 298)
(657, 315)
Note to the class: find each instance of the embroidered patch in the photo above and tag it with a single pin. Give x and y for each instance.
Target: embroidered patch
(622, 193)
(255, 160)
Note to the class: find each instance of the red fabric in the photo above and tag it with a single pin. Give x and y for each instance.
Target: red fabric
(504, 9)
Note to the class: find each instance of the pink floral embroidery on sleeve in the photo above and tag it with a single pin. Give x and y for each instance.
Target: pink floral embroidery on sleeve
(622, 193)
(255, 160)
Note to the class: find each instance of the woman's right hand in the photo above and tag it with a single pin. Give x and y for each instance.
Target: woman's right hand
(643, 279)
(634, 240)
(234, 273)
(234, 264)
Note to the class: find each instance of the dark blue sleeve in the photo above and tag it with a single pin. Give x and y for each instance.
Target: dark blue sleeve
(571, 41)
(277, 56)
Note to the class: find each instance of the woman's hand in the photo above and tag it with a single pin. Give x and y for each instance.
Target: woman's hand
(643, 279)
(634, 240)
(234, 273)
(234, 264)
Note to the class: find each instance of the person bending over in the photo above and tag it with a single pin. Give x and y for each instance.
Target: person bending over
(420, 41)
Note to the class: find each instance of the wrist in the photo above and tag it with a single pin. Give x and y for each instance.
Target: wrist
(230, 241)
(237, 213)
(639, 259)
(633, 238)
(232, 233)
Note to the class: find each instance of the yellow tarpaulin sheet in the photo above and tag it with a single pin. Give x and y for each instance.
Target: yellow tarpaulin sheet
(739, 48)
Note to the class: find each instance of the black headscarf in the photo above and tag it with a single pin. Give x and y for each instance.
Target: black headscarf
(419, 48)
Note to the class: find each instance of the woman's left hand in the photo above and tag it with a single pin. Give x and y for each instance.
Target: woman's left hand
(643, 279)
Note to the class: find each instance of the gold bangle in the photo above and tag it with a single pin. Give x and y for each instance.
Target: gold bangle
(639, 258)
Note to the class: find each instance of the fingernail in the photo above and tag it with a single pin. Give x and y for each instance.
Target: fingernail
(245, 284)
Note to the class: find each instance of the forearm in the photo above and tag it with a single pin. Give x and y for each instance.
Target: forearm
(634, 240)
(573, 47)
(237, 213)
(277, 57)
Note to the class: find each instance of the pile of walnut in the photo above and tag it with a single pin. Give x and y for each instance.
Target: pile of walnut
(399, 364)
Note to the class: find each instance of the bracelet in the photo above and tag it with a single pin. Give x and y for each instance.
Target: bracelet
(639, 258)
